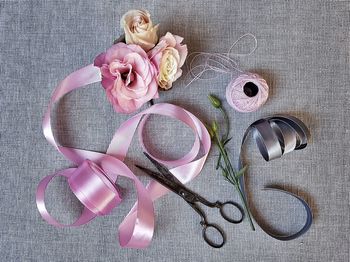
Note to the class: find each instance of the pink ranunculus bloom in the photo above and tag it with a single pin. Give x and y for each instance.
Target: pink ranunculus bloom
(128, 76)
(168, 55)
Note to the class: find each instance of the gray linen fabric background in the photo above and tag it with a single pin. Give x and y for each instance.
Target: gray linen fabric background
(303, 53)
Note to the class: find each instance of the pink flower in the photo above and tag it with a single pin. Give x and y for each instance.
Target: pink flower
(128, 77)
(168, 55)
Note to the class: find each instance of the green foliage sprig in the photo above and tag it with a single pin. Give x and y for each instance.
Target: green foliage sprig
(224, 162)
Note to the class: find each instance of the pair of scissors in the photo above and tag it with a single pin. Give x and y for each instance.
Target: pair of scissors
(167, 179)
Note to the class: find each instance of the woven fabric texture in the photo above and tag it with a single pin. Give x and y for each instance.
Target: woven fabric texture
(303, 53)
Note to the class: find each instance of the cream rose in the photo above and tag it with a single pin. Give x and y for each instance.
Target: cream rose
(139, 29)
(168, 71)
(169, 55)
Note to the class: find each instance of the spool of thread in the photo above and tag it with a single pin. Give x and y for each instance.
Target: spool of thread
(247, 93)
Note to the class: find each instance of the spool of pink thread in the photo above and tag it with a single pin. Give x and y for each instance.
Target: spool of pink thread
(247, 93)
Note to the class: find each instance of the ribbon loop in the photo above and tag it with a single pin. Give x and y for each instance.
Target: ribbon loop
(276, 136)
(86, 215)
(266, 140)
(93, 188)
(93, 181)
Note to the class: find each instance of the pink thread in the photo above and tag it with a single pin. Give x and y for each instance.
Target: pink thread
(206, 66)
(247, 93)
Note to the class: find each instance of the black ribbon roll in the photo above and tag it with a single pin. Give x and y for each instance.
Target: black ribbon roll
(276, 136)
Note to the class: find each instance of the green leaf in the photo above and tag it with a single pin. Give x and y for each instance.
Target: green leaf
(226, 141)
(220, 166)
(228, 180)
(225, 172)
(218, 163)
(241, 172)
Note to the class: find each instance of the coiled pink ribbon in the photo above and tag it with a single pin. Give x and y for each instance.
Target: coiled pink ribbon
(93, 181)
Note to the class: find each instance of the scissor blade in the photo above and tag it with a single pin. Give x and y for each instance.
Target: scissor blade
(165, 171)
(161, 168)
(158, 177)
(168, 177)
(146, 170)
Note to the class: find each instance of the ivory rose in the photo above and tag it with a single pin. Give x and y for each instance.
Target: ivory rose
(139, 29)
(168, 55)
(128, 77)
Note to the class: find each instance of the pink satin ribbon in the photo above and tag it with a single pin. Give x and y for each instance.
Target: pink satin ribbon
(94, 180)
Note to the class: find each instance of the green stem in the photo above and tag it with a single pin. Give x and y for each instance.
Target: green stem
(224, 138)
(227, 122)
(224, 153)
(234, 180)
(245, 206)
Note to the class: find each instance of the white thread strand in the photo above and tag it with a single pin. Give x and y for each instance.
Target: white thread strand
(216, 62)
(223, 63)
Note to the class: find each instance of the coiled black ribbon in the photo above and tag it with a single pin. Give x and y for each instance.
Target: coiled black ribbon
(276, 136)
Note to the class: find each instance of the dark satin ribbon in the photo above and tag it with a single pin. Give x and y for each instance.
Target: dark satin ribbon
(276, 136)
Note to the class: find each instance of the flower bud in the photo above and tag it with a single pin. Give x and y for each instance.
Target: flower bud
(214, 126)
(210, 131)
(214, 101)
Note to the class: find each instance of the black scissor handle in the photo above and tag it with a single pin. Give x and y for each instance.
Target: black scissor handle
(207, 238)
(229, 218)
